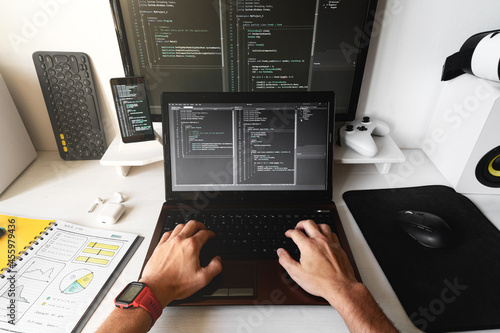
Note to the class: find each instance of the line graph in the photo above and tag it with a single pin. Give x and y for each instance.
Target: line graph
(38, 273)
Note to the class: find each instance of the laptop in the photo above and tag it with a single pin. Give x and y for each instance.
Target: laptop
(234, 157)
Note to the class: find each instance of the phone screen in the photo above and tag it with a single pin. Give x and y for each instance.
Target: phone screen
(132, 108)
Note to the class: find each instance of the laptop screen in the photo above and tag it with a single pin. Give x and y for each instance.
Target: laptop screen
(247, 142)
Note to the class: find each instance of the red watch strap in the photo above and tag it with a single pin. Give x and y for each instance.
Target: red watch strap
(147, 300)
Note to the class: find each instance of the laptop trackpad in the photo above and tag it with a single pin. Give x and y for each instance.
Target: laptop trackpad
(238, 279)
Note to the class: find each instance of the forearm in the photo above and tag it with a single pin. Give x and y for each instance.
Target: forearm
(127, 320)
(360, 311)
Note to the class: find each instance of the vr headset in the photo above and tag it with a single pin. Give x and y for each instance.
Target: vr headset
(479, 56)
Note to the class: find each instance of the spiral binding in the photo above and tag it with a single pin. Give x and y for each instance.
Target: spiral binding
(29, 247)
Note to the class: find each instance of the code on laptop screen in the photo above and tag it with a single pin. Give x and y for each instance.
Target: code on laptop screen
(248, 146)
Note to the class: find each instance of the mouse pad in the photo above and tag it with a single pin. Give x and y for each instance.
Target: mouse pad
(451, 289)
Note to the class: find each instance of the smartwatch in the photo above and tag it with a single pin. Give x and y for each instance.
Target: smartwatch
(138, 294)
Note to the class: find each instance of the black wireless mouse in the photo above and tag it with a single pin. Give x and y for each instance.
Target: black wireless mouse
(428, 229)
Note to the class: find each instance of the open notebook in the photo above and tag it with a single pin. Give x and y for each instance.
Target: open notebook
(59, 279)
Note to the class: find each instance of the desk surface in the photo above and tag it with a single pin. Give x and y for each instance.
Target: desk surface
(55, 189)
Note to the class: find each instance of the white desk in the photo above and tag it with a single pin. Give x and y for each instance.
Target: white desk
(51, 188)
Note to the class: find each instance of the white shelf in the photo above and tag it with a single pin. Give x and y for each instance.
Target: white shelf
(125, 155)
(388, 153)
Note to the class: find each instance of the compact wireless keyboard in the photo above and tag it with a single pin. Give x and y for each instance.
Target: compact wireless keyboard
(70, 96)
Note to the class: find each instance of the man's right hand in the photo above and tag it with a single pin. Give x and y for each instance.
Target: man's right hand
(324, 269)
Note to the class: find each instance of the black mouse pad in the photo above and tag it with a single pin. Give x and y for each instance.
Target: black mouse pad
(452, 289)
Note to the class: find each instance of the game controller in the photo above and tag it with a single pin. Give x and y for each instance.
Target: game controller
(358, 135)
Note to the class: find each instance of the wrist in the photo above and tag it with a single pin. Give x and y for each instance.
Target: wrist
(139, 295)
(345, 299)
(164, 295)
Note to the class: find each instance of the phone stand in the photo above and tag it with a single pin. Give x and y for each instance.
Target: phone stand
(126, 155)
(138, 146)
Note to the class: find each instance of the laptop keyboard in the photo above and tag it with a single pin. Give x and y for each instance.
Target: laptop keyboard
(251, 234)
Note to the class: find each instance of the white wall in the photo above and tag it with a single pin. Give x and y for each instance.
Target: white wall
(402, 81)
(56, 25)
(411, 40)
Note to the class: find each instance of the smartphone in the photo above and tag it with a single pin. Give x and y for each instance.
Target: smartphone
(132, 108)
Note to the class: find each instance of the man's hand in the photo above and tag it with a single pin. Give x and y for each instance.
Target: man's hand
(173, 271)
(324, 269)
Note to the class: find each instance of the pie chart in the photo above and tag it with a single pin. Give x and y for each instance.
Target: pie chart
(76, 281)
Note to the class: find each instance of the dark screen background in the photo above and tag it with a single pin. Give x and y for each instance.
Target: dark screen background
(258, 45)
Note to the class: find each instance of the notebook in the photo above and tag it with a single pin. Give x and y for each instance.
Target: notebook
(59, 280)
(249, 152)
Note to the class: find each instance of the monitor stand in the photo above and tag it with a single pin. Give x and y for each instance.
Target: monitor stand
(388, 153)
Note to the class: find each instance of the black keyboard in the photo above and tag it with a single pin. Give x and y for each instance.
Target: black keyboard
(249, 235)
(70, 96)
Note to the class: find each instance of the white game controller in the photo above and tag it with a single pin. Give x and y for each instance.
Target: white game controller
(358, 135)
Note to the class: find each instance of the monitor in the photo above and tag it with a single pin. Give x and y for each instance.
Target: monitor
(246, 46)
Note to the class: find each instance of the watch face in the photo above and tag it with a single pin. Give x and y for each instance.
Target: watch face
(130, 292)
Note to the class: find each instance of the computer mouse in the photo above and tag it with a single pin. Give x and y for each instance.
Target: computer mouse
(426, 228)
